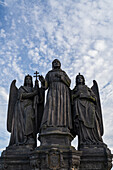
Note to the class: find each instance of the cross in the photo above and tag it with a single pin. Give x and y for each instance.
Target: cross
(36, 74)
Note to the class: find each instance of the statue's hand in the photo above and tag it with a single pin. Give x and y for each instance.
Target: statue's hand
(41, 78)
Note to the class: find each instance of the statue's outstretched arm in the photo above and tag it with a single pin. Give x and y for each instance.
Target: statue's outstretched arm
(28, 95)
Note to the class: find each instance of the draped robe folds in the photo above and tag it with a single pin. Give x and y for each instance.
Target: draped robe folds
(23, 118)
(57, 112)
(86, 117)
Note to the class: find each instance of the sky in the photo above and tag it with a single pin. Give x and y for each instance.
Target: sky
(77, 32)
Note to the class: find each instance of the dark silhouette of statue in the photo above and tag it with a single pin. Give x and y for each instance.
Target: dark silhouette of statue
(57, 111)
(88, 124)
(22, 114)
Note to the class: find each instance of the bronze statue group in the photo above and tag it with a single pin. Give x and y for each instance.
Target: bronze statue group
(77, 110)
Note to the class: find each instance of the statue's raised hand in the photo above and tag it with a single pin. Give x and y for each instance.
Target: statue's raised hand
(41, 78)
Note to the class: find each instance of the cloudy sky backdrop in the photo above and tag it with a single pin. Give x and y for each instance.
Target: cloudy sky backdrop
(77, 32)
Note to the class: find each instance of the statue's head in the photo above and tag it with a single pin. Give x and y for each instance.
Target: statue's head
(56, 64)
(28, 81)
(80, 79)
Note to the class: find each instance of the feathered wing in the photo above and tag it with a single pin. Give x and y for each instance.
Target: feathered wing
(11, 105)
(99, 111)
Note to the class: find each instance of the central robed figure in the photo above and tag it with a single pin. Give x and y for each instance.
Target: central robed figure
(57, 112)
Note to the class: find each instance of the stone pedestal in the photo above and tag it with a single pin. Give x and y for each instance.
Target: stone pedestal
(15, 158)
(55, 158)
(55, 136)
(55, 152)
(96, 158)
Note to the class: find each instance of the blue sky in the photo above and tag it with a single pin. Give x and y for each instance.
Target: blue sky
(77, 32)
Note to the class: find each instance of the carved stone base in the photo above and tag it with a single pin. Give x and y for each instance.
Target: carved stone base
(15, 158)
(42, 158)
(55, 136)
(55, 152)
(55, 158)
(96, 158)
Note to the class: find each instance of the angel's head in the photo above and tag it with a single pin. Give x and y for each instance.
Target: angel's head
(56, 64)
(28, 81)
(80, 79)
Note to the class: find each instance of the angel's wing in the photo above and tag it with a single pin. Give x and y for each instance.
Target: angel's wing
(99, 111)
(11, 105)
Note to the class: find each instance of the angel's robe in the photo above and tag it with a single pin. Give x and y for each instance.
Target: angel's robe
(23, 118)
(85, 116)
(57, 111)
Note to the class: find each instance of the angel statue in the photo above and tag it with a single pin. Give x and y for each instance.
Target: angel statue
(87, 115)
(22, 116)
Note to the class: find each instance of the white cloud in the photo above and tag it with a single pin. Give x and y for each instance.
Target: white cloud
(2, 33)
(100, 45)
(4, 94)
(17, 69)
(93, 53)
(3, 3)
